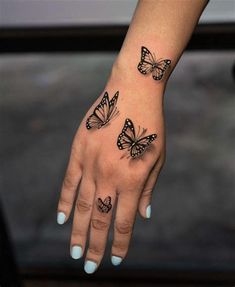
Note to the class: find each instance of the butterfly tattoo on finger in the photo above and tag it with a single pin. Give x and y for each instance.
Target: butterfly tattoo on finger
(104, 112)
(149, 65)
(104, 206)
(136, 144)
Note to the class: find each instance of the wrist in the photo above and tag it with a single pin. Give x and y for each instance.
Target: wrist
(135, 94)
(125, 72)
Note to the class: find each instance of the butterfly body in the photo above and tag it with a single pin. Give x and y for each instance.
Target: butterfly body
(149, 65)
(104, 206)
(103, 113)
(135, 144)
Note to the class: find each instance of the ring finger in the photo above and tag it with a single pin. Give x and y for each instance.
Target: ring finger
(100, 223)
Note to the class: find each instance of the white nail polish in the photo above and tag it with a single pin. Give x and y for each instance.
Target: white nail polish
(90, 267)
(148, 211)
(116, 260)
(76, 252)
(61, 217)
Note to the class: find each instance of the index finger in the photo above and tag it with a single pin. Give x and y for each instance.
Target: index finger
(69, 188)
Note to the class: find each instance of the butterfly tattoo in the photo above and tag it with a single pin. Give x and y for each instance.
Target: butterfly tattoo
(148, 64)
(104, 112)
(135, 144)
(104, 206)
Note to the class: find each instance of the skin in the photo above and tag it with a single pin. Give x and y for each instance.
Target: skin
(96, 167)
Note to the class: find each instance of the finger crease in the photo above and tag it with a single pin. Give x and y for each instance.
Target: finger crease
(83, 206)
(99, 225)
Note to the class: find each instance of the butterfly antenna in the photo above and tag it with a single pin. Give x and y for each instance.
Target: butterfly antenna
(143, 132)
(154, 57)
(138, 133)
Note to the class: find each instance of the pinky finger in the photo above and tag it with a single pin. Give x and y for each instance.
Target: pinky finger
(146, 195)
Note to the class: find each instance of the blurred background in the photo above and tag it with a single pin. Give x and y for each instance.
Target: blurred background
(46, 67)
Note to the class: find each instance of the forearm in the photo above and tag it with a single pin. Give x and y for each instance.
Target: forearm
(164, 27)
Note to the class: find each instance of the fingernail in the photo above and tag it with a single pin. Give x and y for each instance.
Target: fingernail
(116, 260)
(148, 211)
(61, 217)
(76, 252)
(90, 267)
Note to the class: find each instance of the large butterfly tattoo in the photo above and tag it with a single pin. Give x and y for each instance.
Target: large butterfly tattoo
(104, 206)
(135, 144)
(104, 112)
(148, 64)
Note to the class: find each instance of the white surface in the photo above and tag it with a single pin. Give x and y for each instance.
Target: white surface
(88, 12)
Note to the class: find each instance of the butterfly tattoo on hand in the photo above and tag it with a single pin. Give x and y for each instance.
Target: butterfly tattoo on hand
(135, 144)
(104, 206)
(149, 65)
(104, 112)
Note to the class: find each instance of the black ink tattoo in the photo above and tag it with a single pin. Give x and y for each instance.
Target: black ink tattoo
(104, 206)
(149, 64)
(104, 112)
(135, 144)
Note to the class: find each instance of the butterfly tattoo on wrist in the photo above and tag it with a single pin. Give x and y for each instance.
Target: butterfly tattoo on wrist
(104, 112)
(149, 65)
(136, 144)
(104, 206)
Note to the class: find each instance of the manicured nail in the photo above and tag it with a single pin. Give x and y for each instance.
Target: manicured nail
(61, 217)
(76, 252)
(148, 211)
(90, 267)
(116, 260)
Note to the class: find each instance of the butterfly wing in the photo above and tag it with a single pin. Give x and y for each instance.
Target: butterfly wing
(100, 114)
(104, 206)
(160, 68)
(127, 136)
(145, 65)
(102, 110)
(100, 204)
(107, 203)
(113, 106)
(140, 146)
(107, 200)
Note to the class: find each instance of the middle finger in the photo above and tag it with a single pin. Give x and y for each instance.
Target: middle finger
(99, 227)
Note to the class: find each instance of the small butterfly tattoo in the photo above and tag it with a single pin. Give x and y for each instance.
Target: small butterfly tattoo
(148, 64)
(104, 112)
(135, 144)
(104, 206)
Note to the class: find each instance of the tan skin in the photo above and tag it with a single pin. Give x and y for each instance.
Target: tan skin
(96, 167)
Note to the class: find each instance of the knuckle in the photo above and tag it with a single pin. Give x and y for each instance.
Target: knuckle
(92, 146)
(75, 148)
(96, 249)
(106, 168)
(136, 179)
(147, 192)
(78, 232)
(65, 201)
(139, 173)
(123, 227)
(83, 206)
(99, 224)
(68, 182)
(119, 246)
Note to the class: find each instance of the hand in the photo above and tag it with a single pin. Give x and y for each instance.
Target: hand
(105, 175)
